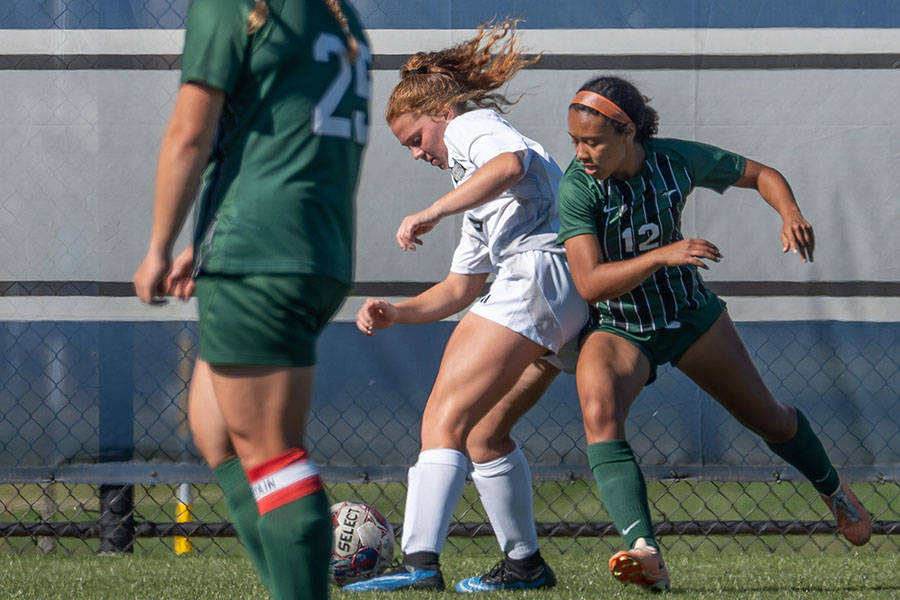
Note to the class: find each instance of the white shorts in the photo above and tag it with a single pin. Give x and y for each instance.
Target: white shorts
(534, 295)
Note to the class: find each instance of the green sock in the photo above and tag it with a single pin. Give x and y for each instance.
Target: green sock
(297, 540)
(244, 514)
(806, 453)
(622, 489)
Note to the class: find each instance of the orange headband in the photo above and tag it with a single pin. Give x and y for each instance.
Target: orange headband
(602, 105)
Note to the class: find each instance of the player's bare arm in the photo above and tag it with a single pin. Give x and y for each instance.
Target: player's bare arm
(448, 297)
(492, 179)
(375, 313)
(597, 280)
(796, 232)
(184, 152)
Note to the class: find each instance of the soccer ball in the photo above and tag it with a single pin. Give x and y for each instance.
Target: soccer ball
(363, 542)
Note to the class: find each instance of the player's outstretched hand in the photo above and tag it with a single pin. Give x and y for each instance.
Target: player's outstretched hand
(797, 236)
(375, 314)
(149, 279)
(689, 252)
(179, 283)
(415, 225)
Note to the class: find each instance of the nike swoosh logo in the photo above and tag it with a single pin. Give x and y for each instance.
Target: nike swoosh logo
(608, 209)
(630, 527)
(403, 577)
(671, 195)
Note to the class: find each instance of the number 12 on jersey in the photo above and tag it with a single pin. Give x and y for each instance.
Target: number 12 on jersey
(651, 230)
(325, 122)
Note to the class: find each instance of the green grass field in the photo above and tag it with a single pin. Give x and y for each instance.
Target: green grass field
(742, 566)
(581, 576)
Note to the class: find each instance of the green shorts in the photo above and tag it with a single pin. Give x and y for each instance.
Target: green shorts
(264, 319)
(668, 345)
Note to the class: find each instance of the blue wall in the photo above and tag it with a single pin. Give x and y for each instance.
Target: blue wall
(463, 14)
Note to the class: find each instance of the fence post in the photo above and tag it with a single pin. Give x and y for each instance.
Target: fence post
(116, 520)
(185, 494)
(48, 508)
(116, 433)
(183, 514)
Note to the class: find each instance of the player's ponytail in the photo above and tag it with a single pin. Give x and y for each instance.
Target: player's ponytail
(464, 74)
(627, 97)
(257, 17)
(334, 6)
(260, 14)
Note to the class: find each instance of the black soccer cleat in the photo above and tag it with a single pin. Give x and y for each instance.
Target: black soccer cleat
(507, 576)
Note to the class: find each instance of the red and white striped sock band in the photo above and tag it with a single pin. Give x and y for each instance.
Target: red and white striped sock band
(283, 479)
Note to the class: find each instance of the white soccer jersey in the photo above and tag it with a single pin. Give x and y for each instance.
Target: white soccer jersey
(522, 218)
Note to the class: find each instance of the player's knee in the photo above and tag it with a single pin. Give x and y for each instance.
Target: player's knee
(597, 407)
(484, 446)
(603, 418)
(450, 435)
(446, 423)
(214, 445)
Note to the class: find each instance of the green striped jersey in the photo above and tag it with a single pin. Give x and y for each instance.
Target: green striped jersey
(642, 213)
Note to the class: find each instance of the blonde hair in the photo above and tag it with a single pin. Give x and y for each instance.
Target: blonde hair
(338, 13)
(466, 73)
(257, 17)
(260, 14)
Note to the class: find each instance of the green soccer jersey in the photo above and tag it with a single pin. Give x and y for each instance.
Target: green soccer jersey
(278, 193)
(642, 213)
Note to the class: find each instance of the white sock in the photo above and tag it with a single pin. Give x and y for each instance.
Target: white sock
(435, 485)
(508, 498)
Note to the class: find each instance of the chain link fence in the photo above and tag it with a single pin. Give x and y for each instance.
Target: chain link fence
(95, 451)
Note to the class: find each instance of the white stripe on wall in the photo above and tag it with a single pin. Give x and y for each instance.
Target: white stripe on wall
(769, 41)
(91, 41)
(764, 41)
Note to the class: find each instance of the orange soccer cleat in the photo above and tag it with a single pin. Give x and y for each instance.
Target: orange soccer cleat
(853, 519)
(640, 566)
